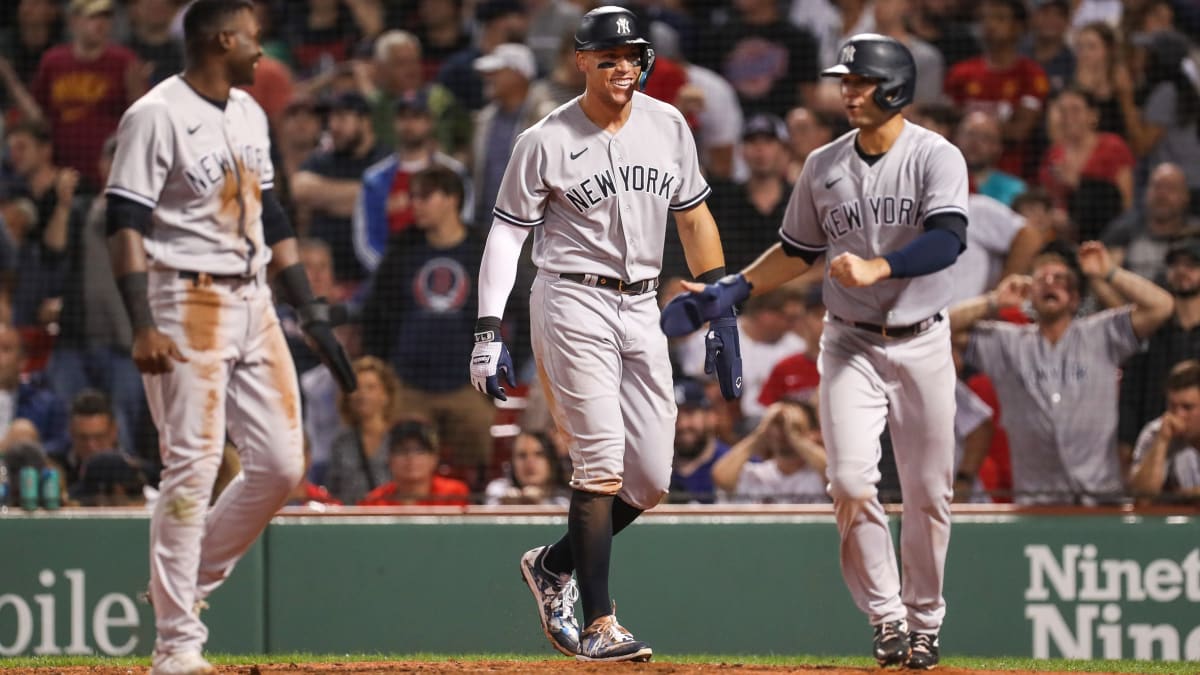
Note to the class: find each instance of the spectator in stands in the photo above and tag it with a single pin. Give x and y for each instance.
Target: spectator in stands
(534, 476)
(1166, 460)
(796, 377)
(40, 252)
(980, 137)
(936, 22)
(358, 460)
(710, 105)
(109, 479)
(92, 429)
(307, 493)
(1036, 207)
(771, 62)
(507, 72)
(563, 81)
(1046, 43)
(1162, 116)
(318, 267)
(82, 87)
(17, 215)
(325, 32)
(28, 400)
(1002, 81)
(397, 82)
(792, 470)
(38, 27)
(412, 466)
(1142, 396)
(891, 17)
(808, 130)
(750, 211)
(442, 33)
(1140, 238)
(498, 22)
(420, 314)
(93, 345)
(697, 447)
(548, 22)
(1098, 68)
(20, 452)
(1057, 379)
(973, 434)
(385, 204)
(328, 183)
(297, 135)
(1081, 155)
(150, 38)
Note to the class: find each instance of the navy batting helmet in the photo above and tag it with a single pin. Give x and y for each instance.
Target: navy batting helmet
(611, 26)
(881, 58)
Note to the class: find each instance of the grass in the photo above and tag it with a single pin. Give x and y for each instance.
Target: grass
(995, 663)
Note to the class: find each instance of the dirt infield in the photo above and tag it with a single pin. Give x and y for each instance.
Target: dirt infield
(556, 666)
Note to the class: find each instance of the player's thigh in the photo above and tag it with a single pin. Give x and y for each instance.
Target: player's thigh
(922, 404)
(580, 369)
(853, 411)
(648, 409)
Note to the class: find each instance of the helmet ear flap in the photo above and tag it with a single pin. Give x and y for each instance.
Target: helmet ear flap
(647, 66)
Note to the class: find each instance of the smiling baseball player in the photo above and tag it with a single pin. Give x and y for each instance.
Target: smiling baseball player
(594, 180)
(193, 227)
(886, 206)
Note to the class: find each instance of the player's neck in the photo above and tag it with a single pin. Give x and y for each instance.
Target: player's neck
(208, 82)
(607, 116)
(880, 139)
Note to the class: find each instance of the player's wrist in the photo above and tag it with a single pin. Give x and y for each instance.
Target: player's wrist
(487, 329)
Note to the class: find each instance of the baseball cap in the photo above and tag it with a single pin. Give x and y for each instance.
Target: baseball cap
(765, 124)
(1189, 247)
(350, 101)
(90, 7)
(689, 393)
(415, 431)
(512, 55)
(412, 106)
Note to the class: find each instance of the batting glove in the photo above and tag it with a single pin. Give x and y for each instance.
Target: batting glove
(723, 355)
(687, 312)
(489, 358)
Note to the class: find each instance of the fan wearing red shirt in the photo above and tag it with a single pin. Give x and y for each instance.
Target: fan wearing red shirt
(413, 461)
(795, 378)
(1081, 153)
(1002, 81)
(83, 86)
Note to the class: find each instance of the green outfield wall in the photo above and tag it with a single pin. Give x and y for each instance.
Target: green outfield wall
(1076, 586)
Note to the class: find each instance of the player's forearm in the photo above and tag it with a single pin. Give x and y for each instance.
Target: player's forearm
(1153, 305)
(284, 254)
(127, 255)
(701, 240)
(773, 269)
(498, 269)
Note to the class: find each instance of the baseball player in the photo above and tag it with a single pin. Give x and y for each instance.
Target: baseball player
(886, 206)
(594, 180)
(194, 228)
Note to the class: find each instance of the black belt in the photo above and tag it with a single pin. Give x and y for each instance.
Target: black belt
(893, 331)
(188, 275)
(626, 287)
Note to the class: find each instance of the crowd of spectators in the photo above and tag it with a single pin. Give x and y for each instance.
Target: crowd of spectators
(392, 122)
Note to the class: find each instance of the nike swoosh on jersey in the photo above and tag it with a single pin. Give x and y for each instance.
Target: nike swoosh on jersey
(193, 129)
(830, 183)
(575, 155)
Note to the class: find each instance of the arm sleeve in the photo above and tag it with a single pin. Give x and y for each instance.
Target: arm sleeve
(145, 146)
(801, 231)
(934, 250)
(498, 270)
(121, 212)
(276, 227)
(521, 200)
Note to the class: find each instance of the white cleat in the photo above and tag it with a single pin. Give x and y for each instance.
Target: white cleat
(181, 663)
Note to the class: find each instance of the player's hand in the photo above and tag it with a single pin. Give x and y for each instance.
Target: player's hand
(1012, 291)
(490, 359)
(154, 352)
(723, 356)
(65, 185)
(701, 303)
(1094, 260)
(852, 271)
(317, 321)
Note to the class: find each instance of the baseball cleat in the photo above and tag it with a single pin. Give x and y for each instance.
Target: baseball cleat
(924, 651)
(607, 640)
(181, 663)
(891, 643)
(555, 595)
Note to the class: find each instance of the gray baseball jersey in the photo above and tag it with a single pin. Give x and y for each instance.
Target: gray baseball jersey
(842, 204)
(1059, 401)
(602, 200)
(993, 227)
(1183, 458)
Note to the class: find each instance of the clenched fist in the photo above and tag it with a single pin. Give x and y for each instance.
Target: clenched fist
(852, 271)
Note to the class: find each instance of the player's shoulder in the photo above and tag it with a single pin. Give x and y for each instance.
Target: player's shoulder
(831, 152)
(656, 108)
(160, 100)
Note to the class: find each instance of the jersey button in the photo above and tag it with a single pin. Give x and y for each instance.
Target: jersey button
(1055, 398)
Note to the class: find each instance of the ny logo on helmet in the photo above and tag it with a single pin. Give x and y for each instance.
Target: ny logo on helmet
(847, 54)
(623, 26)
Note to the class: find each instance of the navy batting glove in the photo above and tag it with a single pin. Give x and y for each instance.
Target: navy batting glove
(687, 312)
(489, 359)
(723, 355)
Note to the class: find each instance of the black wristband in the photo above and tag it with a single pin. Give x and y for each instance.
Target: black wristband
(134, 293)
(487, 329)
(712, 276)
(294, 286)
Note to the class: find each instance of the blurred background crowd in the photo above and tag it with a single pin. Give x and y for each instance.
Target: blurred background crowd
(392, 123)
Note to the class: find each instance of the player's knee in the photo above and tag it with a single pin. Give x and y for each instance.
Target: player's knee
(849, 485)
(281, 471)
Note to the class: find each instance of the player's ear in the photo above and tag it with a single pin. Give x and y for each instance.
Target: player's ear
(226, 40)
(581, 61)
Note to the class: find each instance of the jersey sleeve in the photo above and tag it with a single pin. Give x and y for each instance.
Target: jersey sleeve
(693, 189)
(946, 186)
(1116, 330)
(266, 175)
(522, 197)
(996, 225)
(801, 229)
(144, 156)
(1145, 440)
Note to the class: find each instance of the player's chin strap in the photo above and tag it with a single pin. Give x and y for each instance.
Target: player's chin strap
(647, 66)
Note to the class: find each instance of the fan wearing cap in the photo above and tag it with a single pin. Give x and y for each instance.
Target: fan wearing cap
(82, 87)
(413, 462)
(697, 447)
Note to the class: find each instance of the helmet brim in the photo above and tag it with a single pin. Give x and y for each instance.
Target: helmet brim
(609, 44)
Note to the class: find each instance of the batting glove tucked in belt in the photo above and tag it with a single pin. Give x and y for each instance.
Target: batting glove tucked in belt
(490, 357)
(723, 355)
